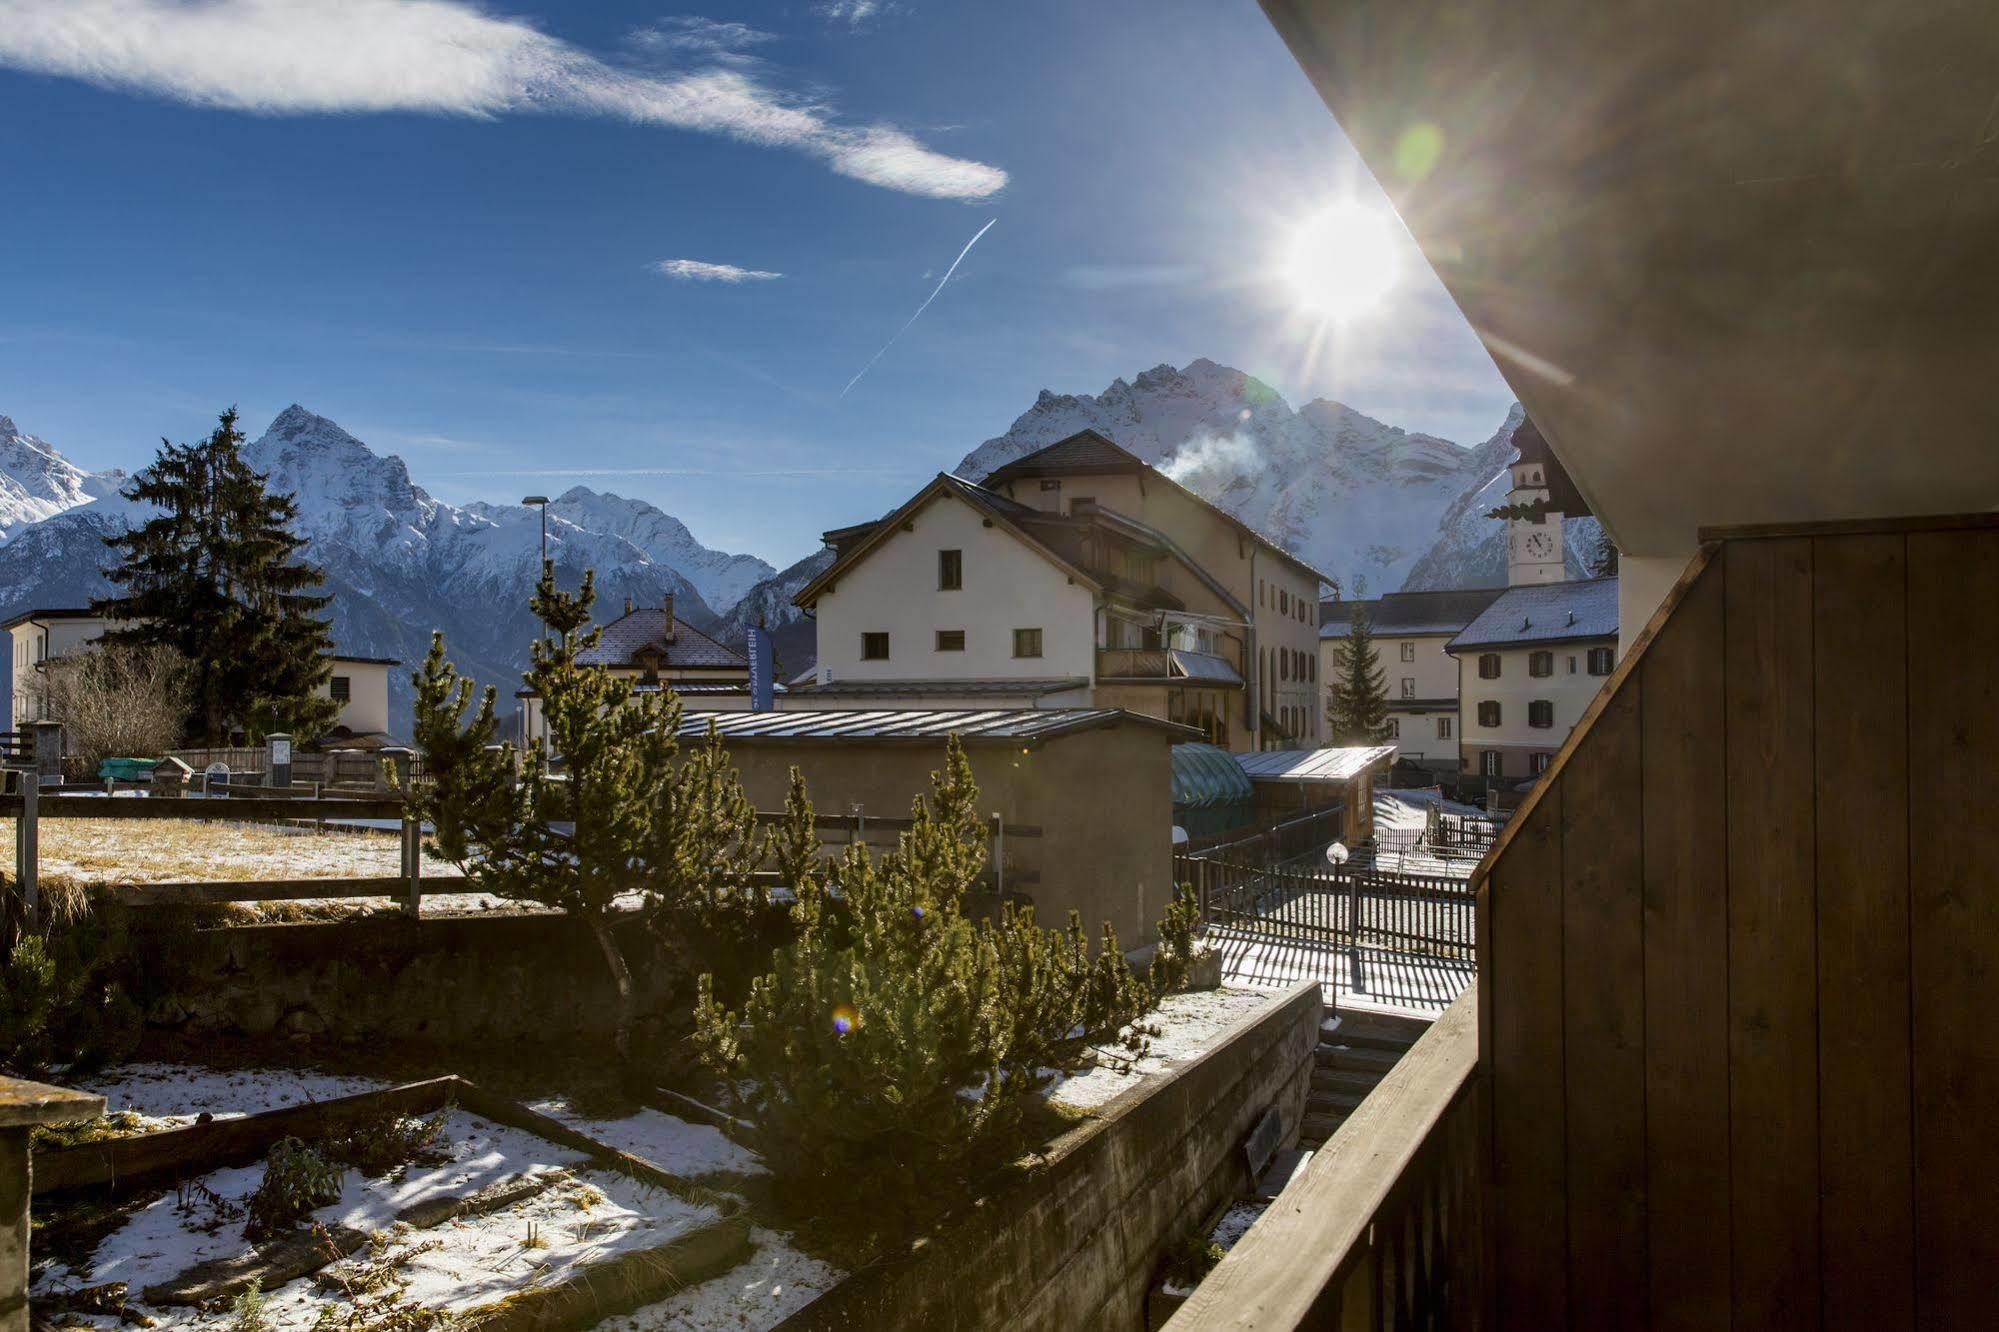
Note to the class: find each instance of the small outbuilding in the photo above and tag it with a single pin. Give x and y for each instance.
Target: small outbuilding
(1083, 796)
(1291, 782)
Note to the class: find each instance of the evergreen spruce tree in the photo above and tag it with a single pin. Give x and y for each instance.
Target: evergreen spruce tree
(216, 575)
(1357, 714)
(631, 826)
(897, 1036)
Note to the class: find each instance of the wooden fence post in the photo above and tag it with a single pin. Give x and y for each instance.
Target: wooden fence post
(413, 863)
(27, 847)
(999, 855)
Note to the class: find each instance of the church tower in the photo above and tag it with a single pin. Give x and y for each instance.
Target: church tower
(1533, 544)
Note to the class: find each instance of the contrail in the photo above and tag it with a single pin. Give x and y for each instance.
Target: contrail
(921, 308)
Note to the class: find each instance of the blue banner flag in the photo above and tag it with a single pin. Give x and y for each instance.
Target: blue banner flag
(762, 667)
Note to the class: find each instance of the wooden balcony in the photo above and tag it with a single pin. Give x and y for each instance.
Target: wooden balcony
(1385, 1226)
(1731, 1059)
(1168, 666)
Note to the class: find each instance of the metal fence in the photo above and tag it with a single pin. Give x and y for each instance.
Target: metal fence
(1403, 936)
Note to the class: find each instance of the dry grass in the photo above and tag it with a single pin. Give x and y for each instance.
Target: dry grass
(93, 851)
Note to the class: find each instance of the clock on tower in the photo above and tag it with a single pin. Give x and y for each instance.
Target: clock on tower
(1533, 544)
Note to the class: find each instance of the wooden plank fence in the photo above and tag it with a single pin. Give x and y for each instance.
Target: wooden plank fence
(29, 802)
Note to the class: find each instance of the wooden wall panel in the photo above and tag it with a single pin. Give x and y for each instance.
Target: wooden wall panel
(1740, 958)
(1603, 1017)
(1528, 1164)
(1954, 920)
(1861, 721)
(1685, 807)
(1772, 961)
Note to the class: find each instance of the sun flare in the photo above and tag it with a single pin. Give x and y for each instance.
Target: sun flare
(1340, 263)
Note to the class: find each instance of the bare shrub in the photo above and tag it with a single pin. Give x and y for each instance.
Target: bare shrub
(119, 700)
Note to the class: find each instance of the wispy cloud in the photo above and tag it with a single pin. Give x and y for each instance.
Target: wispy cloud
(693, 270)
(444, 57)
(708, 37)
(921, 308)
(854, 13)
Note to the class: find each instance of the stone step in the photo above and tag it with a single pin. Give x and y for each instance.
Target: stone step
(1343, 1081)
(1358, 1057)
(1380, 1031)
(1317, 1128)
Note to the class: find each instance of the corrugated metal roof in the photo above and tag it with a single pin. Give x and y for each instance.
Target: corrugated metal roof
(1204, 666)
(1544, 613)
(1205, 777)
(1313, 765)
(983, 687)
(972, 726)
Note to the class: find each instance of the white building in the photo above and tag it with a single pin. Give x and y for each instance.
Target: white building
(1528, 667)
(361, 684)
(1411, 631)
(1077, 575)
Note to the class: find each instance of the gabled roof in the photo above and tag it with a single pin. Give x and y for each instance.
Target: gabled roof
(1544, 613)
(652, 629)
(1410, 614)
(1014, 517)
(52, 613)
(1087, 453)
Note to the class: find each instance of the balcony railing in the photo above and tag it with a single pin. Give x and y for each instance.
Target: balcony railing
(1384, 1228)
(1133, 664)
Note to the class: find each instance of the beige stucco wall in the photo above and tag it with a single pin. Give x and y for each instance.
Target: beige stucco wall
(1431, 675)
(45, 640)
(1570, 690)
(1103, 798)
(1007, 586)
(366, 710)
(1283, 599)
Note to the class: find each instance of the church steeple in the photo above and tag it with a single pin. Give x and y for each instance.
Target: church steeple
(1533, 525)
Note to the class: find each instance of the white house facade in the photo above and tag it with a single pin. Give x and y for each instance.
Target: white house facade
(1411, 631)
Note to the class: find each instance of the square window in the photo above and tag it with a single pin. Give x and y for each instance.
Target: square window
(950, 570)
(1541, 713)
(1408, 686)
(341, 688)
(1488, 714)
(950, 640)
(1408, 652)
(1443, 728)
(874, 647)
(1488, 666)
(1540, 665)
(1027, 642)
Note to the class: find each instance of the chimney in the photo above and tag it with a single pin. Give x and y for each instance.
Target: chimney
(666, 604)
(628, 605)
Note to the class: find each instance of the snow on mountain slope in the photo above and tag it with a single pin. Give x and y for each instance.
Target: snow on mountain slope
(399, 562)
(36, 482)
(769, 603)
(721, 578)
(1470, 548)
(1355, 497)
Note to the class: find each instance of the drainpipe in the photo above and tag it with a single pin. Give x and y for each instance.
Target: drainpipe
(1255, 691)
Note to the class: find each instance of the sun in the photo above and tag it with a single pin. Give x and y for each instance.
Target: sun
(1340, 263)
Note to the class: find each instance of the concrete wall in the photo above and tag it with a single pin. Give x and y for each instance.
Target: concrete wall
(1103, 798)
(1007, 586)
(449, 980)
(1076, 1239)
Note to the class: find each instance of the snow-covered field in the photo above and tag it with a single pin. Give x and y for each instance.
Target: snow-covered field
(1189, 1025)
(460, 1264)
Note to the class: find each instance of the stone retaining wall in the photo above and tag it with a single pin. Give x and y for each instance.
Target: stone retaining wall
(1076, 1242)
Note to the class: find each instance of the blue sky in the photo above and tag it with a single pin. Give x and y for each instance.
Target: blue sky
(440, 224)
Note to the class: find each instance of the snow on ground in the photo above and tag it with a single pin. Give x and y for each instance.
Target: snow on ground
(653, 1135)
(771, 1285)
(1235, 1222)
(168, 1095)
(1189, 1025)
(474, 1261)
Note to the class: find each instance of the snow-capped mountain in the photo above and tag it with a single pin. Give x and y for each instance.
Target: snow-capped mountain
(769, 604)
(721, 578)
(1355, 497)
(1470, 549)
(399, 561)
(36, 482)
